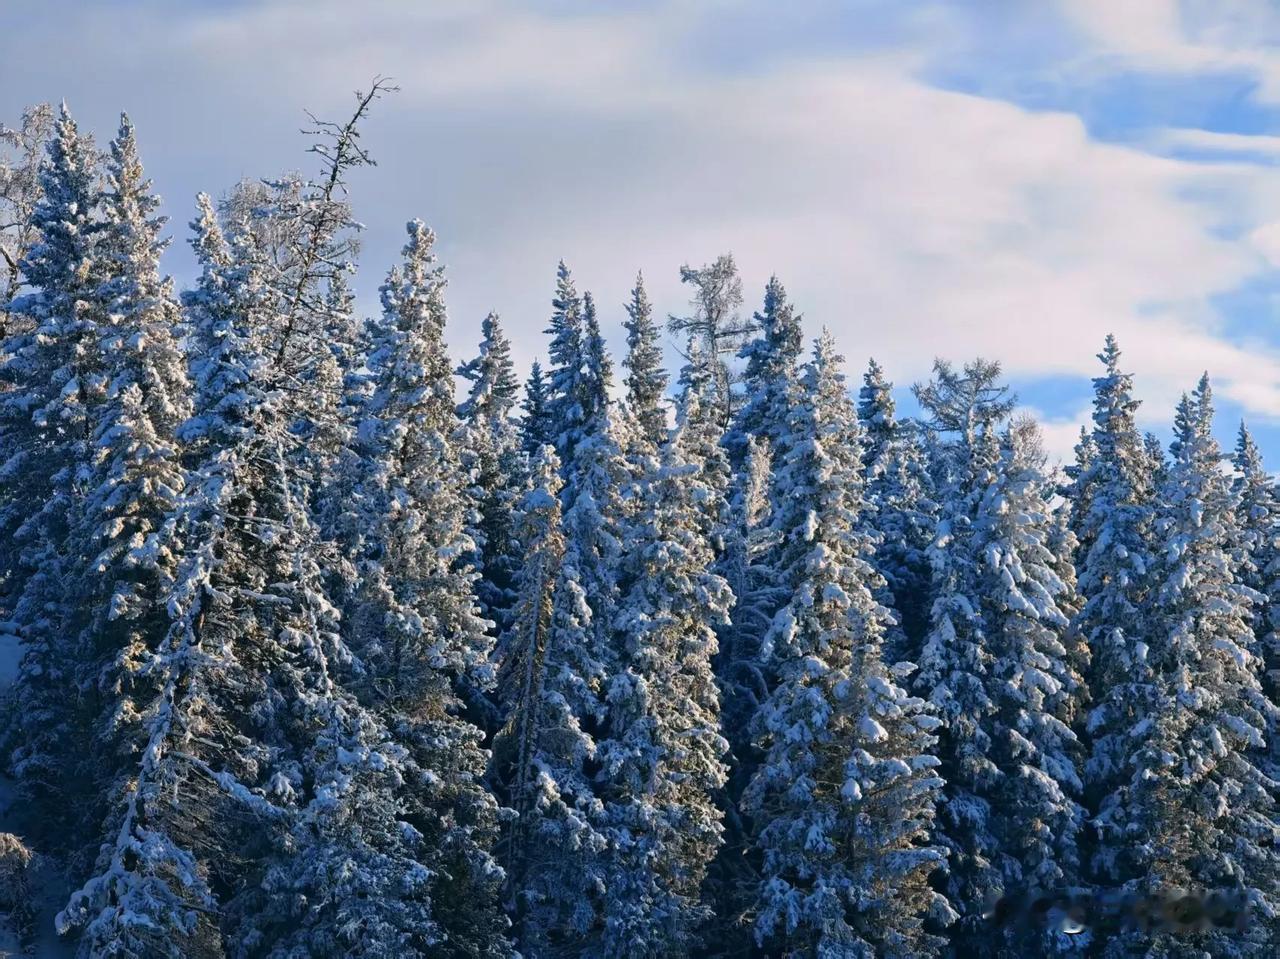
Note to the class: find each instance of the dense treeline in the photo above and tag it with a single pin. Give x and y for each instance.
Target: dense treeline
(319, 662)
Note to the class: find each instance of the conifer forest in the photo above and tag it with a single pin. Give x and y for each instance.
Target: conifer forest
(333, 644)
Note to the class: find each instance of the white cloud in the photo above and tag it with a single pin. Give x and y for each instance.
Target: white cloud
(1184, 36)
(912, 220)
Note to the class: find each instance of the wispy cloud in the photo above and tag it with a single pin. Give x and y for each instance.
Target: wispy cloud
(914, 220)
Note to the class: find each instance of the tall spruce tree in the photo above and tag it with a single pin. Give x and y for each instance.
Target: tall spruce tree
(646, 380)
(419, 633)
(535, 420)
(550, 683)
(566, 411)
(489, 450)
(770, 377)
(1257, 516)
(1113, 520)
(55, 379)
(843, 799)
(662, 758)
(1202, 811)
(132, 481)
(904, 513)
(965, 407)
(1035, 688)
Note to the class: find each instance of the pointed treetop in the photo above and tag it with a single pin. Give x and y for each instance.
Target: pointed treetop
(418, 253)
(876, 407)
(1248, 458)
(494, 387)
(536, 426)
(646, 379)
(1110, 354)
(598, 368)
(566, 300)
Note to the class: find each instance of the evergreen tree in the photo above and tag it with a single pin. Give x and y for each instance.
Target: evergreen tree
(958, 658)
(53, 370)
(1035, 688)
(771, 375)
(494, 390)
(843, 800)
(535, 423)
(597, 368)
(646, 380)
(551, 685)
(489, 451)
(132, 480)
(566, 391)
(1204, 812)
(1114, 525)
(662, 759)
(904, 514)
(1256, 554)
(420, 635)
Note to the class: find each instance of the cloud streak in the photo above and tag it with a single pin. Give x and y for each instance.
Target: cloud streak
(913, 220)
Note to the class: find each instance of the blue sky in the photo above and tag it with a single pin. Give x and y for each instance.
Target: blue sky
(1011, 179)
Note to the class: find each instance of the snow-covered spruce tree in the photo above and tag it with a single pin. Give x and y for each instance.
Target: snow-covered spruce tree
(770, 378)
(152, 892)
(965, 406)
(596, 473)
(54, 383)
(904, 514)
(595, 517)
(535, 409)
(1077, 488)
(416, 626)
(755, 584)
(1113, 522)
(554, 850)
(131, 480)
(348, 343)
(1256, 554)
(844, 797)
(1156, 462)
(22, 152)
(646, 380)
(565, 389)
(717, 328)
(661, 761)
(597, 368)
(1034, 686)
(744, 679)
(1202, 812)
(756, 441)
(489, 447)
